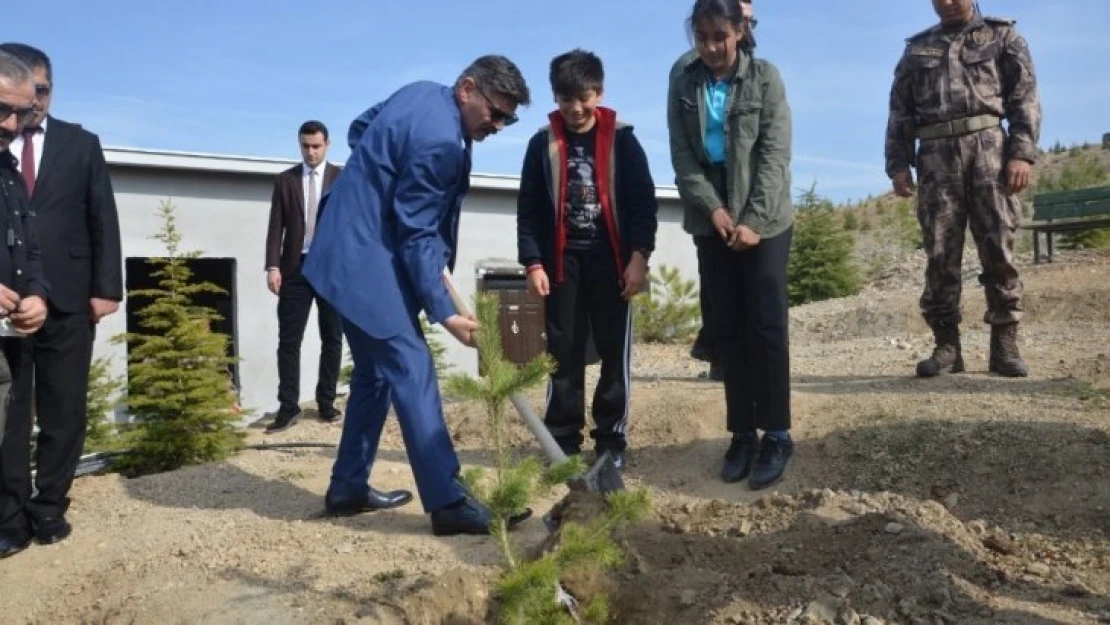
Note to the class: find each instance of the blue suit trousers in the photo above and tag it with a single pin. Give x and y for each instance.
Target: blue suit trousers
(398, 370)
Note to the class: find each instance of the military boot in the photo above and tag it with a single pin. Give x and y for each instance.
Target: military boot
(1005, 359)
(946, 356)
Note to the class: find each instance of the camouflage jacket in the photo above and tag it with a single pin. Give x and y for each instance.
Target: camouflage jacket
(980, 68)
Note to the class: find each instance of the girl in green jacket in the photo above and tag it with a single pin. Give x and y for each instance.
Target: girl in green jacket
(730, 133)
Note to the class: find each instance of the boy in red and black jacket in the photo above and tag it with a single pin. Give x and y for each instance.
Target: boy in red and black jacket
(586, 222)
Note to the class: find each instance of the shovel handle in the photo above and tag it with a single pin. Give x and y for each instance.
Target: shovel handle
(547, 442)
(456, 299)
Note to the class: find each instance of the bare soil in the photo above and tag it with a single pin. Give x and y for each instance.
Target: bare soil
(964, 499)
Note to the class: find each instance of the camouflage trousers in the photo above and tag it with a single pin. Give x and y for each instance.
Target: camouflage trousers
(961, 183)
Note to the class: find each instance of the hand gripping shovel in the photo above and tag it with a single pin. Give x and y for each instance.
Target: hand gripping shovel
(602, 477)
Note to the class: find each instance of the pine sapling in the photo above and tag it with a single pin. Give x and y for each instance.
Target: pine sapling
(178, 384)
(100, 402)
(531, 592)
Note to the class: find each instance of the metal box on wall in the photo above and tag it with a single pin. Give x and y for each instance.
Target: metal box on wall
(520, 315)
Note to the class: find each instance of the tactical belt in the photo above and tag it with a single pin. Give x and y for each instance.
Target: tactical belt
(957, 127)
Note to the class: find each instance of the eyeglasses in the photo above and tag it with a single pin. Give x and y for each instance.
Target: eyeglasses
(23, 116)
(496, 114)
(41, 91)
(752, 23)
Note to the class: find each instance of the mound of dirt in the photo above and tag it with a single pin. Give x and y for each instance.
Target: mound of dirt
(821, 556)
(838, 557)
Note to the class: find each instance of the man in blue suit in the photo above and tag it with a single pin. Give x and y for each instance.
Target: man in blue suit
(379, 250)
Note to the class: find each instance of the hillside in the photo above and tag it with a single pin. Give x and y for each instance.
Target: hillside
(887, 232)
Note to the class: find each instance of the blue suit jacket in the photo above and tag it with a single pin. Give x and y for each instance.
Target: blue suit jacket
(392, 217)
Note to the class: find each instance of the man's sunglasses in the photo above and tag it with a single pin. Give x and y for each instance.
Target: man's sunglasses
(496, 114)
(41, 91)
(23, 116)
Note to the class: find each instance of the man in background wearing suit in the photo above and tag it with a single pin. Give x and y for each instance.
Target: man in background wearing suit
(63, 169)
(294, 213)
(390, 229)
(23, 289)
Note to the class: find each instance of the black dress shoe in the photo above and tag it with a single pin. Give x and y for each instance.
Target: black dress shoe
(740, 457)
(52, 530)
(13, 541)
(701, 352)
(283, 421)
(774, 456)
(376, 500)
(469, 516)
(330, 415)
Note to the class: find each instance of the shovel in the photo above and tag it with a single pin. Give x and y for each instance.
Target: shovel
(602, 477)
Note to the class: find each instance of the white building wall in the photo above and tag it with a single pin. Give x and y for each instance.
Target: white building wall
(223, 208)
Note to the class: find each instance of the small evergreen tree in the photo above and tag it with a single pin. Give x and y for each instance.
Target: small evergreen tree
(851, 221)
(528, 589)
(669, 312)
(821, 265)
(439, 350)
(100, 402)
(347, 371)
(909, 229)
(178, 388)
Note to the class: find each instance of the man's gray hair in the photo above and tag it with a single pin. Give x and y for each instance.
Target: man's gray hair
(496, 74)
(13, 70)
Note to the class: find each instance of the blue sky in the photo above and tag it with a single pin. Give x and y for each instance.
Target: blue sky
(239, 76)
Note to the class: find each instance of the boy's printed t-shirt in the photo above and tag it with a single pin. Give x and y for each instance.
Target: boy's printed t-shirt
(585, 227)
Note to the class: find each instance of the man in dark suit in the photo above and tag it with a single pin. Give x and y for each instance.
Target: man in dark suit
(294, 213)
(390, 229)
(64, 172)
(23, 289)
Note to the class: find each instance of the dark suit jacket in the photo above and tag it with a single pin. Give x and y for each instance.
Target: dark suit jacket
(20, 256)
(392, 221)
(285, 237)
(76, 219)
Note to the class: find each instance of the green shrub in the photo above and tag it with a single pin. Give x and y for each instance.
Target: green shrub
(821, 265)
(669, 312)
(100, 402)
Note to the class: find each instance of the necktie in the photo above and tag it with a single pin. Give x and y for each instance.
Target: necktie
(27, 160)
(310, 221)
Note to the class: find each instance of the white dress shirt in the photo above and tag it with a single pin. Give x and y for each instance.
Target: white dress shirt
(306, 180)
(37, 141)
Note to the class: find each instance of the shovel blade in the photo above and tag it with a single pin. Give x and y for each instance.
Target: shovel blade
(604, 476)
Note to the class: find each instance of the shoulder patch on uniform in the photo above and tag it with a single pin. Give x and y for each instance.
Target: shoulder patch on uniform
(982, 36)
(999, 20)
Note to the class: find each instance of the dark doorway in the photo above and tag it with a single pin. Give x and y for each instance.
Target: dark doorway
(218, 271)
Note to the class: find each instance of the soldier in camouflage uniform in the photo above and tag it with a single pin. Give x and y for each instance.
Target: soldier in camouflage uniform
(952, 88)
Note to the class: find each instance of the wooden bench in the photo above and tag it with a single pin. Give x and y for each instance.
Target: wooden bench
(1067, 211)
